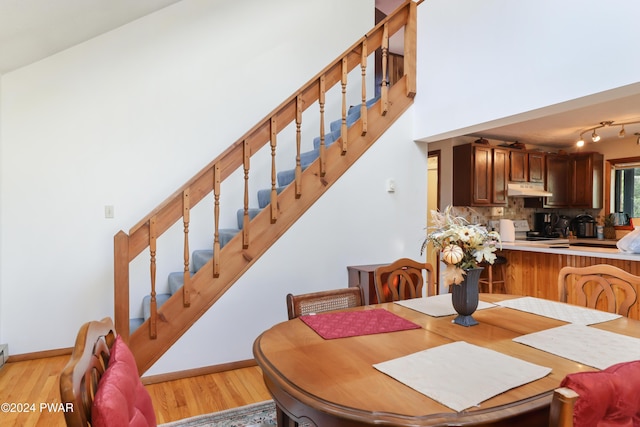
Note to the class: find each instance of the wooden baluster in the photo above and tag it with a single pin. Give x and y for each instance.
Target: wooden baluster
(186, 286)
(274, 193)
(321, 100)
(216, 220)
(298, 144)
(245, 219)
(410, 43)
(384, 89)
(153, 327)
(363, 107)
(343, 128)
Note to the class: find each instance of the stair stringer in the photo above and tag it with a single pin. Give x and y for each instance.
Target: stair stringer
(173, 319)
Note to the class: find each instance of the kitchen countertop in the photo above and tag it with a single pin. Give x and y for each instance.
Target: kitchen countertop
(565, 247)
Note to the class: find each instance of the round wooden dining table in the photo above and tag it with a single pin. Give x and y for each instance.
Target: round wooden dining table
(332, 382)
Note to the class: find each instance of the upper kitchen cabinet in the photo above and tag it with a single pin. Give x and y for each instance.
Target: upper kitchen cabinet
(526, 166)
(480, 175)
(575, 180)
(536, 166)
(557, 181)
(586, 180)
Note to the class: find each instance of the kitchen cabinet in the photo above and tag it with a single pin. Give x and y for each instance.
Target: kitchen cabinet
(480, 175)
(557, 181)
(536, 163)
(575, 180)
(586, 180)
(500, 158)
(518, 166)
(526, 166)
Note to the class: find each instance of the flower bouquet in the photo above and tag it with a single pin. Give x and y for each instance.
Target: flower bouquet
(462, 245)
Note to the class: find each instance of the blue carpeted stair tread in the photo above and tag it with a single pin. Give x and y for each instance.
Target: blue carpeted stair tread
(200, 257)
(135, 323)
(264, 196)
(284, 178)
(226, 234)
(146, 303)
(252, 214)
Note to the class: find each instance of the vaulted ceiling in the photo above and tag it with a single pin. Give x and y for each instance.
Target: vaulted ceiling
(31, 30)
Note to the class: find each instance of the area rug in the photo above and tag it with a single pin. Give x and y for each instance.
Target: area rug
(254, 415)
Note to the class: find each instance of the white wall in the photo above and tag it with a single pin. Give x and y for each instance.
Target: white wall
(124, 119)
(482, 61)
(356, 222)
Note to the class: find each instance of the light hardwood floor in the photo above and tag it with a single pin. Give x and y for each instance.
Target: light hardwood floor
(26, 385)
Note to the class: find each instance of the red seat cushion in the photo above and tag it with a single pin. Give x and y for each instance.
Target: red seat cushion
(121, 399)
(608, 398)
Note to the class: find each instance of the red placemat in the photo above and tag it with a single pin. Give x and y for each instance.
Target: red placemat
(353, 323)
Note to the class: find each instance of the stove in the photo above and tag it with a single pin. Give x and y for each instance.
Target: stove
(524, 233)
(534, 236)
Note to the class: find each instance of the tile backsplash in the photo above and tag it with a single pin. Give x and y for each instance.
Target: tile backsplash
(515, 210)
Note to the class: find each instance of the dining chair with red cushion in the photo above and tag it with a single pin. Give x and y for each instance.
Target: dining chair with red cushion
(100, 385)
(608, 398)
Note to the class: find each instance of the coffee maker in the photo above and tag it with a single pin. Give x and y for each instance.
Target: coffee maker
(544, 224)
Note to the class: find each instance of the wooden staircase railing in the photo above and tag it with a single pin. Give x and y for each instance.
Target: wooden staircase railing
(204, 288)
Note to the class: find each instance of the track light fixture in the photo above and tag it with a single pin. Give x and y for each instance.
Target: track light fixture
(595, 137)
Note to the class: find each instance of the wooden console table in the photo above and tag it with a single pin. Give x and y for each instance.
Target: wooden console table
(362, 275)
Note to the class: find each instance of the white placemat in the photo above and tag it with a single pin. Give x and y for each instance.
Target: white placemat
(437, 305)
(586, 345)
(461, 375)
(559, 310)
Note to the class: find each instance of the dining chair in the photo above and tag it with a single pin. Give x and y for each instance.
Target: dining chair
(604, 398)
(404, 279)
(318, 302)
(589, 284)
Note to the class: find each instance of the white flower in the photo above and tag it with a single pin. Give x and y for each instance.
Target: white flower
(475, 243)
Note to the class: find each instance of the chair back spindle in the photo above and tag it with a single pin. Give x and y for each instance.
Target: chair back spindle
(318, 302)
(404, 279)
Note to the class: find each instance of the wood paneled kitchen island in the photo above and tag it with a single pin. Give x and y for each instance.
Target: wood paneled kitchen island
(533, 268)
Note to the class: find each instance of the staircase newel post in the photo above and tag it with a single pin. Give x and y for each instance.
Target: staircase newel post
(410, 47)
(121, 284)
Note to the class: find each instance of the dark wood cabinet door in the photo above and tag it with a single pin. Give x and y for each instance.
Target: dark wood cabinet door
(557, 181)
(518, 166)
(586, 181)
(580, 175)
(482, 176)
(500, 176)
(536, 167)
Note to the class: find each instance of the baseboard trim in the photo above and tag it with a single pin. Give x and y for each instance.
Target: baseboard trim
(205, 370)
(152, 379)
(39, 355)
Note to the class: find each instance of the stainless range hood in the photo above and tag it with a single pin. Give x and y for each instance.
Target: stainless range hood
(527, 189)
